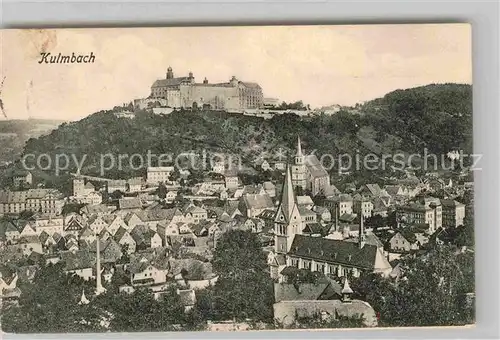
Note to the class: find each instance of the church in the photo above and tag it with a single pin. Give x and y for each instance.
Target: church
(185, 92)
(308, 173)
(295, 247)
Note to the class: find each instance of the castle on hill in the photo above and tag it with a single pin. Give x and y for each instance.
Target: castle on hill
(185, 92)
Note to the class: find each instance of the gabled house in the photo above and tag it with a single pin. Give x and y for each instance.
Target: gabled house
(28, 230)
(324, 301)
(131, 220)
(87, 235)
(97, 224)
(406, 240)
(167, 229)
(322, 213)
(148, 269)
(74, 226)
(9, 232)
(370, 190)
(30, 244)
(124, 239)
(8, 280)
(194, 214)
(46, 240)
(253, 205)
(255, 225)
(80, 263)
(114, 222)
(145, 238)
(269, 188)
(111, 251)
(305, 202)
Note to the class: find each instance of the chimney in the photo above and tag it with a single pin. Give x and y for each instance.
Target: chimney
(361, 236)
(336, 217)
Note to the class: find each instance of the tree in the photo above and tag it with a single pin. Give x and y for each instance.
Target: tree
(116, 195)
(376, 221)
(244, 288)
(162, 191)
(430, 293)
(141, 312)
(72, 208)
(50, 304)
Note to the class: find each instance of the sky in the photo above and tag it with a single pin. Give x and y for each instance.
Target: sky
(320, 65)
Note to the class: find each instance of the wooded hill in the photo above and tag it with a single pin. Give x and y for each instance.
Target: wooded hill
(437, 117)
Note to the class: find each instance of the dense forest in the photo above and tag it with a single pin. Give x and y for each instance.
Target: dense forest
(437, 117)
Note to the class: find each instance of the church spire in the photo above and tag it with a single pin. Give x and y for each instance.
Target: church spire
(287, 195)
(299, 147)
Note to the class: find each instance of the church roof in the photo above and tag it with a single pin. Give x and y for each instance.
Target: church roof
(314, 166)
(334, 251)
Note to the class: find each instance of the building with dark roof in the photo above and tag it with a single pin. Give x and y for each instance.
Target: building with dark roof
(319, 301)
(303, 246)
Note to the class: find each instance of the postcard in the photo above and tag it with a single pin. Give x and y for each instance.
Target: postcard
(236, 178)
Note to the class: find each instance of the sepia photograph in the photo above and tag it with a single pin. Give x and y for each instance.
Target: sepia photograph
(236, 178)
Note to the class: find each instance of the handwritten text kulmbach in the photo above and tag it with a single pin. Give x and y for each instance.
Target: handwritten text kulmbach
(48, 58)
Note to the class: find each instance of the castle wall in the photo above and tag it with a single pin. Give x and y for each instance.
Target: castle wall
(218, 97)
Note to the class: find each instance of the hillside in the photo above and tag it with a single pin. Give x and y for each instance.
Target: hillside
(438, 117)
(15, 133)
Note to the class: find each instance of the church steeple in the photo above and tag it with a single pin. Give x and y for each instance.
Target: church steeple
(299, 174)
(287, 195)
(299, 147)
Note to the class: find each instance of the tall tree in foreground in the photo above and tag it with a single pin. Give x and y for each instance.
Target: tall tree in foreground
(244, 288)
(434, 290)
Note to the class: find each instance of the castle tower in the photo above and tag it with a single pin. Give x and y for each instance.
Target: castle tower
(78, 186)
(170, 73)
(287, 221)
(299, 168)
